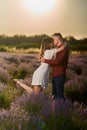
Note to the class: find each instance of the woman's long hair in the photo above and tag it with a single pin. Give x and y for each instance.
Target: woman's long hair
(45, 45)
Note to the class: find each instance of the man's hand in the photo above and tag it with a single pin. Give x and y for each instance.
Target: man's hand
(42, 60)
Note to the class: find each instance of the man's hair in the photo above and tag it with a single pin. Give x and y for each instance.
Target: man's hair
(57, 34)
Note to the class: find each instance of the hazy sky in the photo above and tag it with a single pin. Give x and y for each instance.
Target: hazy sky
(68, 17)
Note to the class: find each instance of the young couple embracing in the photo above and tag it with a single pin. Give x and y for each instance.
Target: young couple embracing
(54, 53)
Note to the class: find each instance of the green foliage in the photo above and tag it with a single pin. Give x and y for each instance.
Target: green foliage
(30, 125)
(7, 96)
(17, 40)
(78, 47)
(77, 94)
(25, 42)
(9, 125)
(80, 123)
(67, 78)
(84, 124)
(5, 99)
(72, 93)
(61, 123)
(77, 70)
(3, 79)
(3, 49)
(20, 74)
(28, 45)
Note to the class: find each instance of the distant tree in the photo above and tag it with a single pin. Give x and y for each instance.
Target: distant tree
(18, 39)
(71, 39)
(22, 41)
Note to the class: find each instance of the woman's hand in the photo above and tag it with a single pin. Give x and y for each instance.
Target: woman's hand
(42, 59)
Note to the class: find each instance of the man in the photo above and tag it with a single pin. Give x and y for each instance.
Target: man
(59, 65)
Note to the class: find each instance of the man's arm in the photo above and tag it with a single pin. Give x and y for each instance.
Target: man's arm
(60, 57)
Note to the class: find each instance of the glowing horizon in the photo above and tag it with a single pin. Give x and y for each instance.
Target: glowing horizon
(68, 17)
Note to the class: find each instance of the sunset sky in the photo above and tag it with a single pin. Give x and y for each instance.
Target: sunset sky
(68, 17)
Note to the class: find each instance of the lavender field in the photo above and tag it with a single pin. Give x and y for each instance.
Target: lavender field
(21, 111)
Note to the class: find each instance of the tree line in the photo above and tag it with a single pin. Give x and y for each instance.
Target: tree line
(22, 41)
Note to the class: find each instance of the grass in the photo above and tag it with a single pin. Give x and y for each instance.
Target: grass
(5, 99)
(7, 96)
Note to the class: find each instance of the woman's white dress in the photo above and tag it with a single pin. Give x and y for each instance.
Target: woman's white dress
(41, 75)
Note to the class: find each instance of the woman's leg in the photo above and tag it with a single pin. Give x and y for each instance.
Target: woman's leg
(23, 85)
(37, 89)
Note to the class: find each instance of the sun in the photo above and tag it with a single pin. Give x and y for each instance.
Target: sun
(39, 6)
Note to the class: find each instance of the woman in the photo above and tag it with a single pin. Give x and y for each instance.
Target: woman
(41, 75)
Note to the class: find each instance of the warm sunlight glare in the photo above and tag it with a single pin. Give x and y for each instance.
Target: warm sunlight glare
(39, 6)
